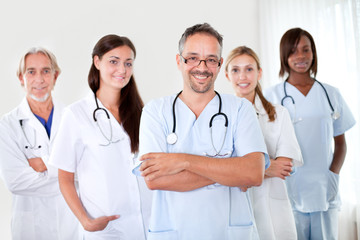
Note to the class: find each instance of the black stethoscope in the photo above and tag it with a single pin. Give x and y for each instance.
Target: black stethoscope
(334, 114)
(172, 137)
(109, 139)
(31, 146)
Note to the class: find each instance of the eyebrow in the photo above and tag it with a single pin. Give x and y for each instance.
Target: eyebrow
(196, 54)
(116, 57)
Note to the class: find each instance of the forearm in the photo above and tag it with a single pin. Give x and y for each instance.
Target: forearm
(180, 182)
(238, 171)
(339, 154)
(68, 190)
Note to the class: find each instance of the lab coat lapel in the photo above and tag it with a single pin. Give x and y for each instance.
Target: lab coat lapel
(58, 108)
(26, 114)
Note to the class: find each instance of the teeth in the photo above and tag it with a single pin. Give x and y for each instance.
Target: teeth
(200, 76)
(243, 84)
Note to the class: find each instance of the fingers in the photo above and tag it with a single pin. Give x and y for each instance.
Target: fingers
(113, 217)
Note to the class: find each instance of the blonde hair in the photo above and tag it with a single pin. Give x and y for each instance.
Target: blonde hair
(243, 50)
(35, 50)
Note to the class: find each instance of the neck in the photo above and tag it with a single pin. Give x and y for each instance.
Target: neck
(250, 96)
(109, 98)
(300, 79)
(42, 109)
(197, 101)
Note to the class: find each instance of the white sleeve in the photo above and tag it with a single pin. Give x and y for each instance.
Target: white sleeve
(67, 149)
(287, 145)
(16, 172)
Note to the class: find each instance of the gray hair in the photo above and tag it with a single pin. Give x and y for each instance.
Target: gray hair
(200, 28)
(35, 50)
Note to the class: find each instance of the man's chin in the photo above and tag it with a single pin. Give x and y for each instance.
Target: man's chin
(40, 99)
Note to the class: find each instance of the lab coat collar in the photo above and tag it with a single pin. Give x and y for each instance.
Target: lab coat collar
(259, 108)
(24, 113)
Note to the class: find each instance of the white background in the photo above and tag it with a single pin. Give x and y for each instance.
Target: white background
(70, 30)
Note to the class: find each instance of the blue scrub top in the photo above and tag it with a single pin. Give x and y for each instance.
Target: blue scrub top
(314, 187)
(47, 124)
(215, 211)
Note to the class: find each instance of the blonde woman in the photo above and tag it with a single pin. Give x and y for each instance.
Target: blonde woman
(272, 209)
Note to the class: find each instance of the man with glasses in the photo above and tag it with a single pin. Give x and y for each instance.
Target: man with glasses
(201, 151)
(39, 210)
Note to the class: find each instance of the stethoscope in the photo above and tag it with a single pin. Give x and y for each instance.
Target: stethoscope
(109, 139)
(172, 137)
(29, 146)
(334, 114)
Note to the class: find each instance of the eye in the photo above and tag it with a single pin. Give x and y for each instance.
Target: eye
(192, 59)
(31, 72)
(249, 69)
(46, 71)
(113, 62)
(128, 64)
(234, 70)
(211, 60)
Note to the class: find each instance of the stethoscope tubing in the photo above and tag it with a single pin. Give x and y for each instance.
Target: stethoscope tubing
(293, 101)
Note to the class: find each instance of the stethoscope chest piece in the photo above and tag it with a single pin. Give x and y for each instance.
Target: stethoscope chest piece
(171, 138)
(335, 115)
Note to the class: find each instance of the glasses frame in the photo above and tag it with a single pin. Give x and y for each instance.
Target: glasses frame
(202, 60)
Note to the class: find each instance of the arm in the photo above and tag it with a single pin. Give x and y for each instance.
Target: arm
(67, 187)
(280, 167)
(339, 153)
(16, 171)
(37, 164)
(237, 171)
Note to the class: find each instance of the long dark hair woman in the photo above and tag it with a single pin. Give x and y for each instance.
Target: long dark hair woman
(97, 139)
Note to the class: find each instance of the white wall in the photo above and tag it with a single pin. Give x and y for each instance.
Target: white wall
(70, 29)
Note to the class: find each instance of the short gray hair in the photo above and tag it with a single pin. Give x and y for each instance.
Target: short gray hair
(200, 28)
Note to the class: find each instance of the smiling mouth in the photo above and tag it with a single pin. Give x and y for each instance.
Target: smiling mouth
(243, 85)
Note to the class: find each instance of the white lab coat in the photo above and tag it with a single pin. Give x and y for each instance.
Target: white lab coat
(106, 184)
(272, 209)
(211, 212)
(39, 210)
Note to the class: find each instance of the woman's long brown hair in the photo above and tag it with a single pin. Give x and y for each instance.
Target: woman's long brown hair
(131, 103)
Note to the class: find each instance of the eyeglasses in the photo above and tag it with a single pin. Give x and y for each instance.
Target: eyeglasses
(194, 61)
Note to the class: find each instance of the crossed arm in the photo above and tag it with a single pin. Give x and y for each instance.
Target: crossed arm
(185, 172)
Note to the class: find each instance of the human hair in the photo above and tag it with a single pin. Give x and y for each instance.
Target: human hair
(200, 28)
(131, 103)
(288, 42)
(243, 50)
(34, 50)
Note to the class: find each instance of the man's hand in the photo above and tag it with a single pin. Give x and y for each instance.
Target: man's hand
(37, 164)
(156, 165)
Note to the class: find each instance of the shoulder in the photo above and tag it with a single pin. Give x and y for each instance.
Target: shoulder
(233, 101)
(160, 104)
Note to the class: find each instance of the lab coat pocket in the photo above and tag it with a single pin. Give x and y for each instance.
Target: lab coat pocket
(163, 235)
(333, 185)
(240, 232)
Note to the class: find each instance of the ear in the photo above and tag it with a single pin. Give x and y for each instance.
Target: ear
(96, 61)
(221, 63)
(56, 76)
(178, 60)
(260, 74)
(227, 76)
(21, 78)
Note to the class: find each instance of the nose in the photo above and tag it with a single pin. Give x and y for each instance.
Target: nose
(39, 77)
(242, 75)
(121, 68)
(201, 65)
